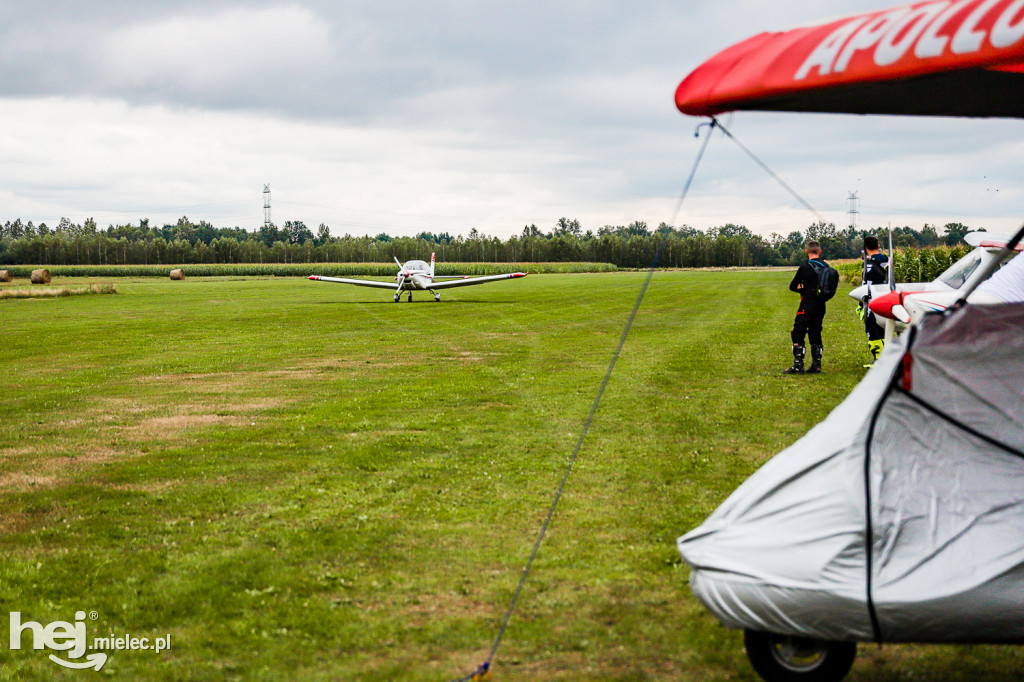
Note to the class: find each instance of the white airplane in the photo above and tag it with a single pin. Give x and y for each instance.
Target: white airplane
(416, 274)
(908, 302)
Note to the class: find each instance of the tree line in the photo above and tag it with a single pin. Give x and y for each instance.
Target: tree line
(630, 246)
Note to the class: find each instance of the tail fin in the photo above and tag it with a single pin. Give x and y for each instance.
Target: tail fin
(431, 265)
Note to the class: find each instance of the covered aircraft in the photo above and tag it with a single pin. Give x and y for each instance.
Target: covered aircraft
(900, 517)
(416, 274)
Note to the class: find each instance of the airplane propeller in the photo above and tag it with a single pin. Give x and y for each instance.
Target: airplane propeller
(890, 325)
(401, 279)
(892, 264)
(864, 280)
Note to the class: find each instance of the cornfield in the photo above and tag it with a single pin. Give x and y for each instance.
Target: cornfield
(911, 265)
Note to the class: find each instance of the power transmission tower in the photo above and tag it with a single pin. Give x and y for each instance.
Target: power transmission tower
(266, 205)
(853, 200)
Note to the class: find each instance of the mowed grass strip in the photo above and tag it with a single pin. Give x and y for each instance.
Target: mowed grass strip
(298, 480)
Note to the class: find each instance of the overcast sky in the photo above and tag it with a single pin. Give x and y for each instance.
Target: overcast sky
(406, 116)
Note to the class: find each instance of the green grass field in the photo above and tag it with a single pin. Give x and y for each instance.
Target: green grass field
(296, 480)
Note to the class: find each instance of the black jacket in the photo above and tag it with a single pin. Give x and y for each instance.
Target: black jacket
(808, 276)
(875, 271)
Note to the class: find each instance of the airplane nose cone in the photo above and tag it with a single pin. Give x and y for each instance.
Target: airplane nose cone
(882, 305)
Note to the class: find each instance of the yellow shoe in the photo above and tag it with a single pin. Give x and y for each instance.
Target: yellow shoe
(875, 348)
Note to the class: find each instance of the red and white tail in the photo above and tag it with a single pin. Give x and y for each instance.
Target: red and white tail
(431, 265)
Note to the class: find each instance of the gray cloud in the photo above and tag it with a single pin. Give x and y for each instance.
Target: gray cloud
(484, 114)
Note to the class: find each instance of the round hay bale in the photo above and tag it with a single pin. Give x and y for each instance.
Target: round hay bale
(5, 275)
(178, 274)
(41, 276)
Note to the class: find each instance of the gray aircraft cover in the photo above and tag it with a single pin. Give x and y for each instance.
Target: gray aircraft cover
(926, 459)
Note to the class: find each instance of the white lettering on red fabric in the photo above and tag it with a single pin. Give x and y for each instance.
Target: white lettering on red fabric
(967, 39)
(925, 28)
(869, 36)
(826, 52)
(895, 43)
(931, 44)
(1006, 31)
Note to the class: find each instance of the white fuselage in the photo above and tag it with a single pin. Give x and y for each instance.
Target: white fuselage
(415, 274)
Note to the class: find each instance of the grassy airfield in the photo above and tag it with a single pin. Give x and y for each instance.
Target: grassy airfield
(297, 480)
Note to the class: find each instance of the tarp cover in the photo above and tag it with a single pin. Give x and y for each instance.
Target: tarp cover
(937, 432)
(943, 57)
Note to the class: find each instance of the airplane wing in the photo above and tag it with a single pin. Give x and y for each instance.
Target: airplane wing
(358, 282)
(474, 280)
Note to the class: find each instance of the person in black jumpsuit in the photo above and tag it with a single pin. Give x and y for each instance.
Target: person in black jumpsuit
(809, 315)
(875, 272)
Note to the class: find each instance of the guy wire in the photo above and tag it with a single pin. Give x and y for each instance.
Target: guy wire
(768, 170)
(593, 408)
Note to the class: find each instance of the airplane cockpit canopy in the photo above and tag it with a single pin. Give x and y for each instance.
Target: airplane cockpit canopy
(416, 265)
(958, 273)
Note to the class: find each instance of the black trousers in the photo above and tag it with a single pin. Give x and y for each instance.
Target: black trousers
(809, 317)
(875, 331)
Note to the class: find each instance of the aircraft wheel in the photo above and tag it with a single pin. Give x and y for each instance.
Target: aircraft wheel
(784, 658)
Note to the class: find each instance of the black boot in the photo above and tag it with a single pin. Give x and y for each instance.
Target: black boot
(815, 367)
(798, 360)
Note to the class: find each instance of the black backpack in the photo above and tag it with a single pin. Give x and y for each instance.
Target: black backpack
(828, 279)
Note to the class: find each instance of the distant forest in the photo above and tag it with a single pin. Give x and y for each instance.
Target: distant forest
(630, 246)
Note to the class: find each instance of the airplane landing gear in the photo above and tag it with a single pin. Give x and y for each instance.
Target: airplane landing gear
(397, 296)
(410, 297)
(437, 296)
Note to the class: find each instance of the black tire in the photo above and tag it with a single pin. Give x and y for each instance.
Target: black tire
(784, 658)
